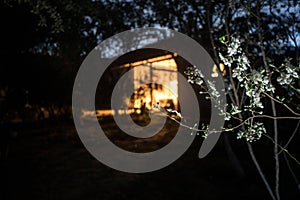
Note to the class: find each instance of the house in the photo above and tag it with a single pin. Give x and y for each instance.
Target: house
(150, 67)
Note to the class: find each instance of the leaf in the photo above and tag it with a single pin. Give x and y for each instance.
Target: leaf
(222, 39)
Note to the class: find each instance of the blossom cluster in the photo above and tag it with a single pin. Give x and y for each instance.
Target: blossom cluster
(194, 75)
(248, 83)
(288, 73)
(253, 132)
(254, 82)
(208, 87)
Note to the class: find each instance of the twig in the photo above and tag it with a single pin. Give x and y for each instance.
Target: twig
(227, 129)
(277, 166)
(291, 170)
(291, 110)
(292, 136)
(260, 170)
(283, 149)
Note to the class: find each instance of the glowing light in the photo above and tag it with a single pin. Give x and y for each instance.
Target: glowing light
(222, 69)
(162, 69)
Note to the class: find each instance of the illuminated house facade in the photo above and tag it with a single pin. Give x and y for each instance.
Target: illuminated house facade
(150, 67)
(154, 78)
(148, 74)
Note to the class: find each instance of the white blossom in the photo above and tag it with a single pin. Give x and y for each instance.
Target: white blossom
(284, 79)
(213, 91)
(253, 132)
(257, 77)
(178, 114)
(288, 73)
(238, 73)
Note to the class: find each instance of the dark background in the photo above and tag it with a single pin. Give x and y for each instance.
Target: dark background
(42, 46)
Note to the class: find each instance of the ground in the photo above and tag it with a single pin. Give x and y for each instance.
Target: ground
(48, 161)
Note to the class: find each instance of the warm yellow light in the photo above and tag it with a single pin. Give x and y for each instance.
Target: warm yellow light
(150, 60)
(215, 70)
